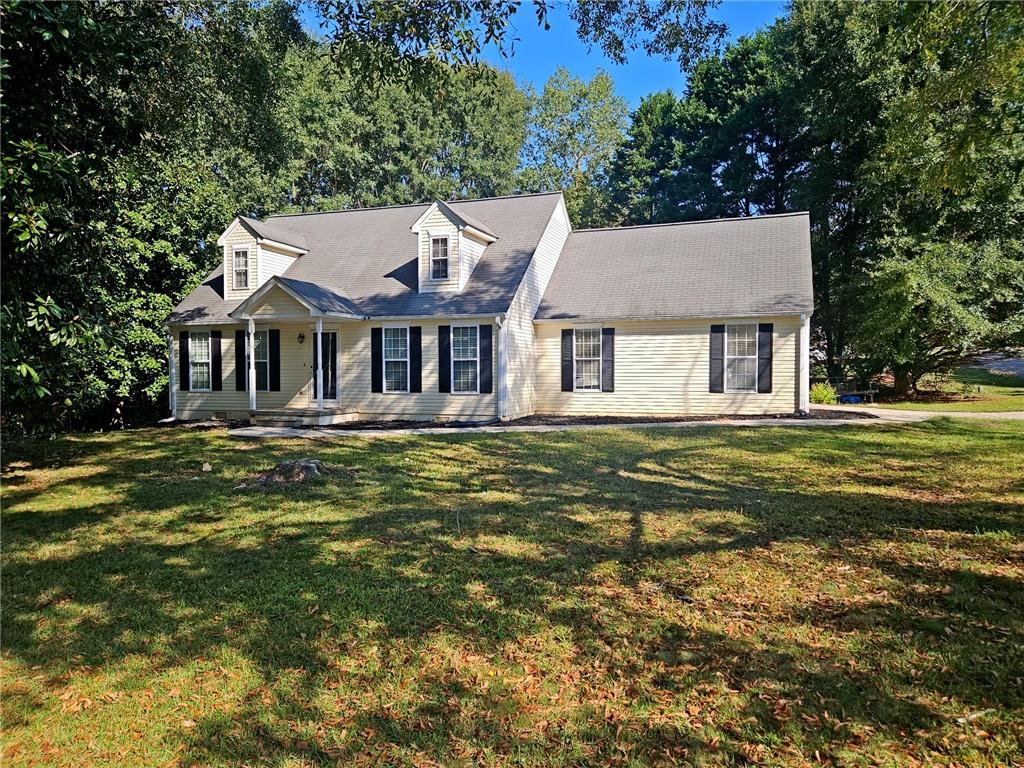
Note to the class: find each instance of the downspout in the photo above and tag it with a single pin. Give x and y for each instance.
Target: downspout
(805, 363)
(502, 406)
(171, 383)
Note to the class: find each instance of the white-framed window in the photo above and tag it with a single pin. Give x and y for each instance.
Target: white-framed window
(465, 359)
(741, 357)
(439, 257)
(587, 359)
(241, 267)
(261, 360)
(396, 359)
(199, 361)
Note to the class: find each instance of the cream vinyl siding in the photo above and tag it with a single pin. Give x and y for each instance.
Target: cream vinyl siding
(203, 405)
(238, 236)
(272, 262)
(471, 250)
(439, 225)
(296, 375)
(662, 367)
(428, 404)
(278, 304)
(520, 354)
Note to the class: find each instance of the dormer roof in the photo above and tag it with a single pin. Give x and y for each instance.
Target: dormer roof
(462, 218)
(264, 232)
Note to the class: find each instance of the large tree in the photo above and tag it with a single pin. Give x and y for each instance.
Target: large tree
(575, 126)
(133, 132)
(898, 127)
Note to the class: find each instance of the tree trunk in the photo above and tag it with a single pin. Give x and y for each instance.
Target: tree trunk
(903, 382)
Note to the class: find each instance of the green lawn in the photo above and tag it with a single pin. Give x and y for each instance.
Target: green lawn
(843, 596)
(968, 389)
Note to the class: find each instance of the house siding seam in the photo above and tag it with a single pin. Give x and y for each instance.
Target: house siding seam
(661, 368)
(520, 369)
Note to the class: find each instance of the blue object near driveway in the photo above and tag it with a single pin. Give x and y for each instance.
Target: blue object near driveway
(850, 399)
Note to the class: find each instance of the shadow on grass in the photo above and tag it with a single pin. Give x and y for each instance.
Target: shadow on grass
(150, 556)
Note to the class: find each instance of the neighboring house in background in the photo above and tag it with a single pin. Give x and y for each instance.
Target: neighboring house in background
(494, 309)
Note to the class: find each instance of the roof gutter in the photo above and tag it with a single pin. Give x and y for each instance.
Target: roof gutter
(661, 318)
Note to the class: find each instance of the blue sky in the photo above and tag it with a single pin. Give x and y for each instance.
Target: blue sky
(538, 53)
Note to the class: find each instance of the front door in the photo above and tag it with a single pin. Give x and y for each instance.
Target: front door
(329, 350)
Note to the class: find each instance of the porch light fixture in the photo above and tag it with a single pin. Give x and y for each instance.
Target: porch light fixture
(302, 337)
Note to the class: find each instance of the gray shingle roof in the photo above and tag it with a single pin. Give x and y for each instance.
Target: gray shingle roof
(322, 298)
(368, 259)
(466, 218)
(721, 268)
(267, 232)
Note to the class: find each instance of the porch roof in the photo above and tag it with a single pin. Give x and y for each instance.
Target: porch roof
(320, 301)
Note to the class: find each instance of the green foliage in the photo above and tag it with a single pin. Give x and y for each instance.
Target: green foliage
(575, 127)
(823, 393)
(898, 127)
(388, 41)
(133, 132)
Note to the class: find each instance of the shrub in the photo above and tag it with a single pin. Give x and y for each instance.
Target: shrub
(824, 394)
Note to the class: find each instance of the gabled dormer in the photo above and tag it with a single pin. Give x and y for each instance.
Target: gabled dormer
(449, 243)
(254, 252)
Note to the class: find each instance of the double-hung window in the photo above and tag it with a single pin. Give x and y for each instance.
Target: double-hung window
(587, 359)
(241, 268)
(262, 361)
(741, 358)
(199, 360)
(439, 258)
(396, 359)
(465, 359)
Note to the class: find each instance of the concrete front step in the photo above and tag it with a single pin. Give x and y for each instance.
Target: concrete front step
(303, 417)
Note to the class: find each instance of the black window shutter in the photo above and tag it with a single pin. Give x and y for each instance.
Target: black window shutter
(765, 331)
(486, 355)
(607, 359)
(183, 372)
(274, 342)
(444, 358)
(241, 366)
(216, 374)
(717, 382)
(567, 360)
(415, 358)
(376, 359)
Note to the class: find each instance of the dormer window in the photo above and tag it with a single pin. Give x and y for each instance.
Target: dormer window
(241, 266)
(439, 258)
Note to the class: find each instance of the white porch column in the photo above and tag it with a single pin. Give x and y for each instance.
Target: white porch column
(172, 393)
(319, 364)
(252, 365)
(805, 363)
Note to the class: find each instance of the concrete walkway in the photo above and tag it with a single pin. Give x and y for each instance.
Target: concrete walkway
(884, 416)
(894, 415)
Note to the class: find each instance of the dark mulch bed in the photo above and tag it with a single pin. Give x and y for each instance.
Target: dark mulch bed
(549, 420)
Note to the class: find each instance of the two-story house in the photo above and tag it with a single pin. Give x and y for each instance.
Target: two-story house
(494, 309)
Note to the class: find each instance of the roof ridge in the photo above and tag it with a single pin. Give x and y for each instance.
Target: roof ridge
(695, 221)
(409, 205)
